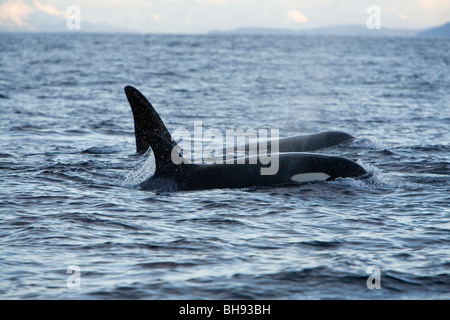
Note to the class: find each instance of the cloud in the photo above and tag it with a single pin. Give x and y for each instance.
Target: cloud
(15, 13)
(218, 2)
(48, 8)
(302, 4)
(433, 5)
(296, 16)
(155, 17)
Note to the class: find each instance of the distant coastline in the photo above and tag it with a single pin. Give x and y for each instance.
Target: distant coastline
(349, 30)
(40, 21)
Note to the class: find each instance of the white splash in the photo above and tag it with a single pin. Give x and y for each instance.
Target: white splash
(379, 179)
(143, 169)
(371, 144)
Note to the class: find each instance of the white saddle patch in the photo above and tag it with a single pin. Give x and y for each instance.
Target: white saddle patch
(309, 177)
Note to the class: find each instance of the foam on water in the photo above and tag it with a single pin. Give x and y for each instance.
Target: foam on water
(379, 179)
(371, 144)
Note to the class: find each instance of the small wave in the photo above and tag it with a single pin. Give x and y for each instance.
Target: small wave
(165, 265)
(321, 245)
(27, 127)
(6, 155)
(103, 150)
(431, 148)
(368, 144)
(385, 152)
(60, 177)
(215, 221)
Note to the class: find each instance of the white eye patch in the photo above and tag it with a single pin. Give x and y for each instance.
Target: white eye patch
(309, 177)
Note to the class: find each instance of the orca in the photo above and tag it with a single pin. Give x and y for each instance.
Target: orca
(147, 119)
(293, 167)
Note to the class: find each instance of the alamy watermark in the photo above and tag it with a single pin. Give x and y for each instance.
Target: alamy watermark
(73, 17)
(374, 280)
(225, 149)
(374, 20)
(74, 280)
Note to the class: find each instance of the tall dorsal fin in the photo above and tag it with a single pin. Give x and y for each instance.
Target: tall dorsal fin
(151, 132)
(146, 120)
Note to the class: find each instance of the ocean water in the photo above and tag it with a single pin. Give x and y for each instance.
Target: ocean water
(75, 225)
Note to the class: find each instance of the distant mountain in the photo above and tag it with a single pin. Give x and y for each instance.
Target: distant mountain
(442, 31)
(37, 19)
(359, 30)
(348, 30)
(251, 30)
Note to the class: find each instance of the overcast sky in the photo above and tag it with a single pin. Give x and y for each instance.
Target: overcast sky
(201, 16)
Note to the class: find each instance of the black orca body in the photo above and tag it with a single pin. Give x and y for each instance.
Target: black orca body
(293, 167)
(314, 142)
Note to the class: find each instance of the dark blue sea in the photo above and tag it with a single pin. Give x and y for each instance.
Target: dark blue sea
(75, 225)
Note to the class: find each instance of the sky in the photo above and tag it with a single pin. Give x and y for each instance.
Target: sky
(202, 16)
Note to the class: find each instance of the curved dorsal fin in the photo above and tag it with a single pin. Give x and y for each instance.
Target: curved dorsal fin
(146, 120)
